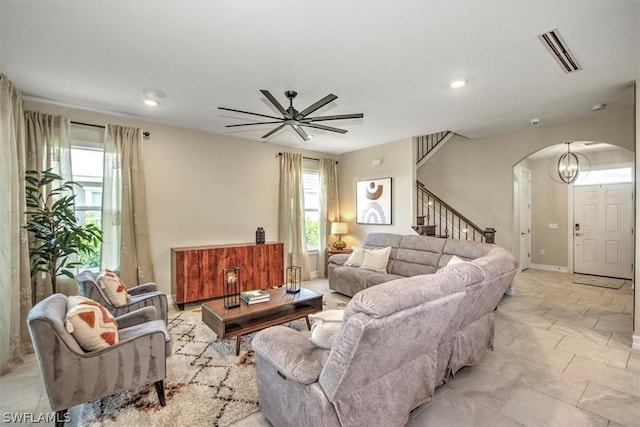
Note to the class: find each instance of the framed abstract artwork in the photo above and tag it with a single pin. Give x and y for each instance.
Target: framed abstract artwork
(373, 201)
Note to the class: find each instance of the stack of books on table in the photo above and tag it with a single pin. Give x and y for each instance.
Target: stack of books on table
(254, 297)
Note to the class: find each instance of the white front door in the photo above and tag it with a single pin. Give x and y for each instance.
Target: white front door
(524, 188)
(603, 230)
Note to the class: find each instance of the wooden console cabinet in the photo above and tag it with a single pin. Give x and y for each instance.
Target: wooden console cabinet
(196, 272)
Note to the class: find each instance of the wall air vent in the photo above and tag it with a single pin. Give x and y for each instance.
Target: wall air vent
(559, 50)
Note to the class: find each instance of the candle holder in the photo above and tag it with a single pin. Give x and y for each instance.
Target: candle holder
(231, 283)
(293, 275)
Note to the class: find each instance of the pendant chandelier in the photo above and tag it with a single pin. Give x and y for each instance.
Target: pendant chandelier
(565, 167)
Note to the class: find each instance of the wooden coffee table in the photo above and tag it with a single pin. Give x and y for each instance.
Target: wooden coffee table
(282, 307)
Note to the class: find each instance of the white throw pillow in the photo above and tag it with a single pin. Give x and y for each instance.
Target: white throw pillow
(356, 257)
(455, 260)
(326, 325)
(376, 259)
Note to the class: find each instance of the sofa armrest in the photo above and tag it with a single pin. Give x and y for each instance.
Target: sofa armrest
(142, 289)
(135, 317)
(338, 259)
(291, 353)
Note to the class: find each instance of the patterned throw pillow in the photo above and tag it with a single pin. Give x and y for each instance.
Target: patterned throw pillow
(92, 326)
(114, 289)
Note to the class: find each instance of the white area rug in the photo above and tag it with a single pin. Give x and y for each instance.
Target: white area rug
(601, 282)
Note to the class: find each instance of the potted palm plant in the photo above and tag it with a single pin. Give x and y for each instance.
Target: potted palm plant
(58, 238)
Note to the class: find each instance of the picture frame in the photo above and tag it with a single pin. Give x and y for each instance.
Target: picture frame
(374, 201)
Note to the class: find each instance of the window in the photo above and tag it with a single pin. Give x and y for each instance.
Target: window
(311, 183)
(87, 154)
(606, 176)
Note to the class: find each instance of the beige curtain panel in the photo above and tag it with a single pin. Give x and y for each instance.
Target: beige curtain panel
(329, 206)
(15, 273)
(126, 246)
(48, 146)
(291, 227)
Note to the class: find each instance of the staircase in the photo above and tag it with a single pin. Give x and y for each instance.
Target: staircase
(436, 218)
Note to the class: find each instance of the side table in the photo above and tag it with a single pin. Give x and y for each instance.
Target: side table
(332, 251)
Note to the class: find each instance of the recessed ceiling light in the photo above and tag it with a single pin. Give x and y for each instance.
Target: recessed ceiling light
(153, 94)
(458, 83)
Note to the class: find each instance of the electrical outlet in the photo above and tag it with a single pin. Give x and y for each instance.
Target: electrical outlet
(542, 252)
(553, 226)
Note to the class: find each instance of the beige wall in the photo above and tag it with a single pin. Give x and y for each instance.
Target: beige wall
(202, 189)
(397, 162)
(548, 206)
(476, 176)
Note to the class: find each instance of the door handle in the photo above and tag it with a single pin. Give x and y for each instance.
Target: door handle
(578, 234)
(522, 233)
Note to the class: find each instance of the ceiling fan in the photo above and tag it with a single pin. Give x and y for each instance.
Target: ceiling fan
(294, 118)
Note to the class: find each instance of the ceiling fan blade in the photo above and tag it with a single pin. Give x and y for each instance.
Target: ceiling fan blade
(302, 133)
(323, 127)
(268, 134)
(337, 117)
(313, 107)
(251, 124)
(275, 103)
(247, 112)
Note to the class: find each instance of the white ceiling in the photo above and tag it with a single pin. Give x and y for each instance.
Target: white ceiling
(391, 60)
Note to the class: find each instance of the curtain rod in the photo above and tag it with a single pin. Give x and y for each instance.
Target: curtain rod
(307, 158)
(146, 134)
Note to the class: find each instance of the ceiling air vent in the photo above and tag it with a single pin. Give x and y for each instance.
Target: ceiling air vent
(559, 50)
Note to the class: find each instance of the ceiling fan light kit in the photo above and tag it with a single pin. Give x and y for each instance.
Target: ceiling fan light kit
(297, 120)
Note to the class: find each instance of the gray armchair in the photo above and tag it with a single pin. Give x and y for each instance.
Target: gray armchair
(144, 295)
(73, 376)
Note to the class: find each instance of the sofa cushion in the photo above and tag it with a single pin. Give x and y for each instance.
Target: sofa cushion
(92, 326)
(408, 269)
(376, 259)
(326, 325)
(382, 240)
(377, 278)
(356, 257)
(422, 243)
(113, 288)
(396, 295)
(466, 248)
(291, 353)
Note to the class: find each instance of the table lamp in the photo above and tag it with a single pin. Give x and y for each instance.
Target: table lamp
(338, 229)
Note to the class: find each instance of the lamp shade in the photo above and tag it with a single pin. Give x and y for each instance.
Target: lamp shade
(338, 228)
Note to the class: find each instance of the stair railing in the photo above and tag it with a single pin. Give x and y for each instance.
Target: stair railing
(436, 218)
(427, 143)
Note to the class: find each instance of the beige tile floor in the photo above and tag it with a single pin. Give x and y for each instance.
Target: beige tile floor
(562, 357)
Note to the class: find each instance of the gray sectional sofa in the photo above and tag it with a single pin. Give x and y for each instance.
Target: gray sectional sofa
(410, 256)
(401, 337)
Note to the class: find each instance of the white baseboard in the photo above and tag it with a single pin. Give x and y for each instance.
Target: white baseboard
(546, 267)
(636, 342)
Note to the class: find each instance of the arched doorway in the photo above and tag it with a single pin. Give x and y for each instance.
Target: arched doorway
(552, 236)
